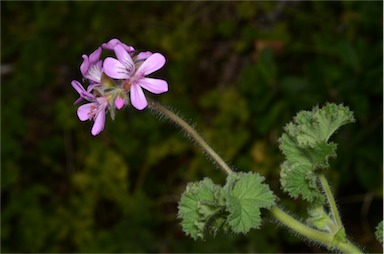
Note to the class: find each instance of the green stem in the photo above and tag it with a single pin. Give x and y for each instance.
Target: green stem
(300, 228)
(313, 234)
(331, 202)
(347, 247)
(191, 132)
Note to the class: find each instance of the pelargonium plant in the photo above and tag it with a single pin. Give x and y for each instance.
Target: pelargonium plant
(205, 207)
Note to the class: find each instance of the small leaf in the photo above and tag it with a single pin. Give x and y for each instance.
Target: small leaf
(332, 117)
(245, 195)
(292, 151)
(379, 232)
(318, 218)
(311, 127)
(320, 154)
(316, 155)
(197, 205)
(298, 179)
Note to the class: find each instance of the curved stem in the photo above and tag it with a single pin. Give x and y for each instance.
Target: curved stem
(191, 132)
(313, 234)
(300, 228)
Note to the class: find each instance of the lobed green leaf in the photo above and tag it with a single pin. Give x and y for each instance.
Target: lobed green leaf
(379, 232)
(298, 179)
(197, 205)
(245, 195)
(312, 127)
(236, 206)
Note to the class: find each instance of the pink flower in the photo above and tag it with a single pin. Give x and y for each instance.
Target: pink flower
(91, 68)
(110, 80)
(94, 111)
(134, 74)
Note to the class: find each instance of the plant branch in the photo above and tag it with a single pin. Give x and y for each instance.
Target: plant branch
(324, 238)
(331, 202)
(297, 226)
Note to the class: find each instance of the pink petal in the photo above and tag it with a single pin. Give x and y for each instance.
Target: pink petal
(94, 57)
(153, 85)
(143, 55)
(113, 42)
(78, 100)
(84, 111)
(94, 71)
(84, 65)
(151, 64)
(91, 86)
(99, 124)
(77, 86)
(138, 99)
(83, 94)
(124, 58)
(114, 69)
(119, 102)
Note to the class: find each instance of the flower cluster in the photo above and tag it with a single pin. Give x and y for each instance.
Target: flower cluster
(112, 79)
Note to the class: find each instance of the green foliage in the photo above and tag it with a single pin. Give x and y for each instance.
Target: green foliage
(379, 232)
(311, 128)
(245, 196)
(236, 206)
(199, 203)
(299, 180)
(306, 148)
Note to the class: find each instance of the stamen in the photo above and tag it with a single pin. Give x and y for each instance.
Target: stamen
(92, 112)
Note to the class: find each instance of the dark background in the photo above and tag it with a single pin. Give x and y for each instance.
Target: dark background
(239, 70)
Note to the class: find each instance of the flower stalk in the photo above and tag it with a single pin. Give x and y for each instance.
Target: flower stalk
(191, 132)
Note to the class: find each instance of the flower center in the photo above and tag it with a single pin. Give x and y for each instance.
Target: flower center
(127, 85)
(94, 72)
(93, 112)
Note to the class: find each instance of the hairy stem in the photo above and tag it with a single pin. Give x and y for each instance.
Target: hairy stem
(301, 228)
(347, 247)
(331, 202)
(191, 132)
(324, 238)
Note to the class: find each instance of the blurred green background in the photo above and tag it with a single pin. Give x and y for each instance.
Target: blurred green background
(238, 70)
